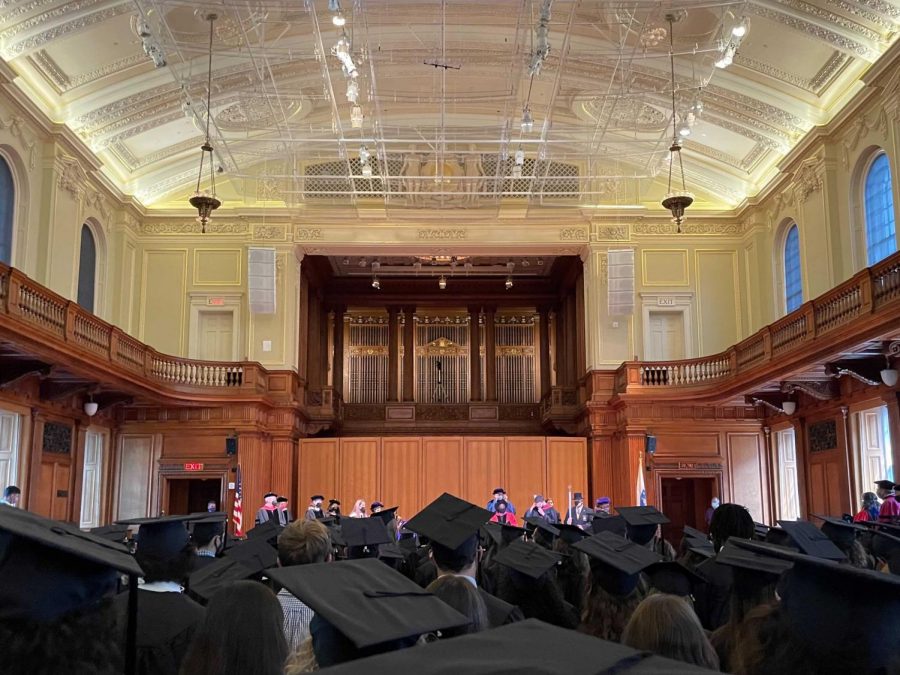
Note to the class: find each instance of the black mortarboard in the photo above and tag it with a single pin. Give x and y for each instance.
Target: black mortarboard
(367, 601)
(674, 578)
(204, 529)
(887, 547)
(270, 494)
(572, 534)
(528, 558)
(365, 532)
(386, 515)
(842, 612)
(110, 532)
(617, 562)
(163, 536)
(541, 524)
(641, 522)
(210, 579)
(811, 540)
(498, 491)
(281, 500)
(577, 497)
(50, 568)
(256, 553)
(391, 551)
(318, 497)
(529, 646)
(337, 536)
(267, 530)
(510, 533)
(614, 524)
(841, 532)
(694, 533)
(779, 537)
(702, 548)
(449, 520)
(886, 484)
(378, 505)
(331, 502)
(760, 530)
(756, 557)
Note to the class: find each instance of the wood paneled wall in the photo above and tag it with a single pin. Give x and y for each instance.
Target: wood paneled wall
(409, 472)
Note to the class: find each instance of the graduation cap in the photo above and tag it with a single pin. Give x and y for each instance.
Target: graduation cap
(337, 536)
(779, 537)
(614, 524)
(528, 558)
(504, 534)
(363, 535)
(449, 520)
(760, 559)
(367, 601)
(318, 498)
(817, 592)
(209, 580)
(760, 530)
(641, 522)
(110, 532)
(331, 502)
(204, 529)
(377, 505)
(693, 533)
(887, 547)
(386, 515)
(539, 523)
(571, 534)
(811, 540)
(390, 551)
(268, 531)
(841, 532)
(674, 578)
(256, 553)
(521, 647)
(704, 549)
(162, 536)
(886, 484)
(616, 562)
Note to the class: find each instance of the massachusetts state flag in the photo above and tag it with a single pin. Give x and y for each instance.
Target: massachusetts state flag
(237, 514)
(641, 489)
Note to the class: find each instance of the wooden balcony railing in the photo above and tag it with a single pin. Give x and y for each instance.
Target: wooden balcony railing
(855, 311)
(57, 322)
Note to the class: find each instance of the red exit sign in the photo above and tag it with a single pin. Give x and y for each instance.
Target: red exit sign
(193, 466)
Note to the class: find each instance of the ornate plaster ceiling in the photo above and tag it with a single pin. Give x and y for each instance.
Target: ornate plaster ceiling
(441, 137)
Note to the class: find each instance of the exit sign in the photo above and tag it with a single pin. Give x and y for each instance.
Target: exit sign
(193, 466)
(216, 302)
(665, 302)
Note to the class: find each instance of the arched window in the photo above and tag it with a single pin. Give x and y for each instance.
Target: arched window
(87, 269)
(793, 281)
(881, 232)
(7, 206)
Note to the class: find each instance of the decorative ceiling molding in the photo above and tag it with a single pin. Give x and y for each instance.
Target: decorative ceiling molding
(858, 9)
(839, 41)
(832, 18)
(720, 229)
(192, 228)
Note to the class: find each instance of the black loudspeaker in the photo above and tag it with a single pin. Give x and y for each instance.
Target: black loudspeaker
(650, 444)
(231, 446)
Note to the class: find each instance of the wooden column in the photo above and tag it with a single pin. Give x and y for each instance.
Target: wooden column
(561, 356)
(544, 313)
(313, 344)
(474, 354)
(490, 361)
(409, 354)
(303, 330)
(393, 354)
(571, 343)
(337, 358)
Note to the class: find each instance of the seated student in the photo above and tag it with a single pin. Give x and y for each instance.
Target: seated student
(208, 538)
(240, 634)
(303, 542)
(452, 525)
(526, 578)
(363, 607)
(573, 573)
(666, 625)
(462, 596)
(167, 618)
(616, 566)
(56, 597)
(643, 528)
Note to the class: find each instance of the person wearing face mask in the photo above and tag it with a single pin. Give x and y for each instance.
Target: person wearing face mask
(713, 505)
(314, 511)
(503, 515)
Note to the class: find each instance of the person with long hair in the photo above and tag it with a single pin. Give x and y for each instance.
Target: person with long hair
(666, 625)
(869, 510)
(359, 509)
(461, 595)
(241, 634)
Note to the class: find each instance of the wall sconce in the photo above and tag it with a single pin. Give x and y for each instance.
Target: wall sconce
(889, 375)
(789, 407)
(90, 407)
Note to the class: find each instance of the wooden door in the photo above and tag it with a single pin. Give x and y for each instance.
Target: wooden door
(788, 482)
(216, 336)
(92, 479)
(9, 449)
(666, 336)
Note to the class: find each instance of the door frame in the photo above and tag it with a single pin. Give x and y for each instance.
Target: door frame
(200, 303)
(681, 303)
(168, 475)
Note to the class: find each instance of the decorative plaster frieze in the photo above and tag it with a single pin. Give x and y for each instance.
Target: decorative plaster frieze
(270, 233)
(814, 30)
(442, 234)
(689, 228)
(861, 126)
(573, 234)
(858, 9)
(831, 18)
(775, 72)
(12, 49)
(213, 227)
(308, 234)
(19, 128)
(72, 177)
(610, 233)
(808, 179)
(65, 82)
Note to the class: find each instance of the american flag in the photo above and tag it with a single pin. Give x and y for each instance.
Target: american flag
(237, 514)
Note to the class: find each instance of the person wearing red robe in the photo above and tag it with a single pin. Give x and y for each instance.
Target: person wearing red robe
(890, 507)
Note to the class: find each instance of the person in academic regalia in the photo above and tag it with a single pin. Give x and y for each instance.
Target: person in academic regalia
(869, 510)
(314, 511)
(334, 509)
(285, 517)
(269, 509)
(503, 515)
(666, 625)
(167, 618)
(208, 538)
(890, 507)
(643, 528)
(550, 512)
(578, 514)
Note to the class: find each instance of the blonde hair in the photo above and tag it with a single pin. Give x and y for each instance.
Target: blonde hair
(304, 542)
(303, 660)
(359, 506)
(667, 625)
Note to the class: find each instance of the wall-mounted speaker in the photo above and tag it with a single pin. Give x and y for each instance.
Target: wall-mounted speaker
(650, 444)
(231, 446)
(261, 280)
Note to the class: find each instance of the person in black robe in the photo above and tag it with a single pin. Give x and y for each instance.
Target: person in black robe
(167, 618)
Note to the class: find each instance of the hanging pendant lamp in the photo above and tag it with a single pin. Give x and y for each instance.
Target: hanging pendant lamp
(206, 201)
(676, 201)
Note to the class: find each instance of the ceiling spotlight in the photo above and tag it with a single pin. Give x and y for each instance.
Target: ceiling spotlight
(727, 56)
(364, 154)
(527, 121)
(442, 282)
(740, 30)
(376, 284)
(338, 20)
(889, 377)
(509, 282)
(684, 131)
(367, 170)
(520, 157)
(352, 91)
(356, 117)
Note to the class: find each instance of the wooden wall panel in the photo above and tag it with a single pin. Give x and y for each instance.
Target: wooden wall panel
(748, 474)
(442, 467)
(195, 447)
(526, 470)
(566, 465)
(317, 471)
(817, 486)
(135, 476)
(359, 470)
(483, 459)
(255, 458)
(284, 461)
(602, 474)
(401, 473)
(690, 444)
(54, 491)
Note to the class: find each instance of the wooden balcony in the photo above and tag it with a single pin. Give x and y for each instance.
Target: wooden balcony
(48, 326)
(863, 308)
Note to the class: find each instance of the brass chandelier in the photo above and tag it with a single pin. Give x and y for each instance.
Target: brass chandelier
(206, 201)
(678, 200)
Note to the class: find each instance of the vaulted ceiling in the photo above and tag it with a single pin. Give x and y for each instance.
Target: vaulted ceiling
(442, 88)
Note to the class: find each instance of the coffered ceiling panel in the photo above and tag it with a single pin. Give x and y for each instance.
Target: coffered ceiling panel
(441, 90)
